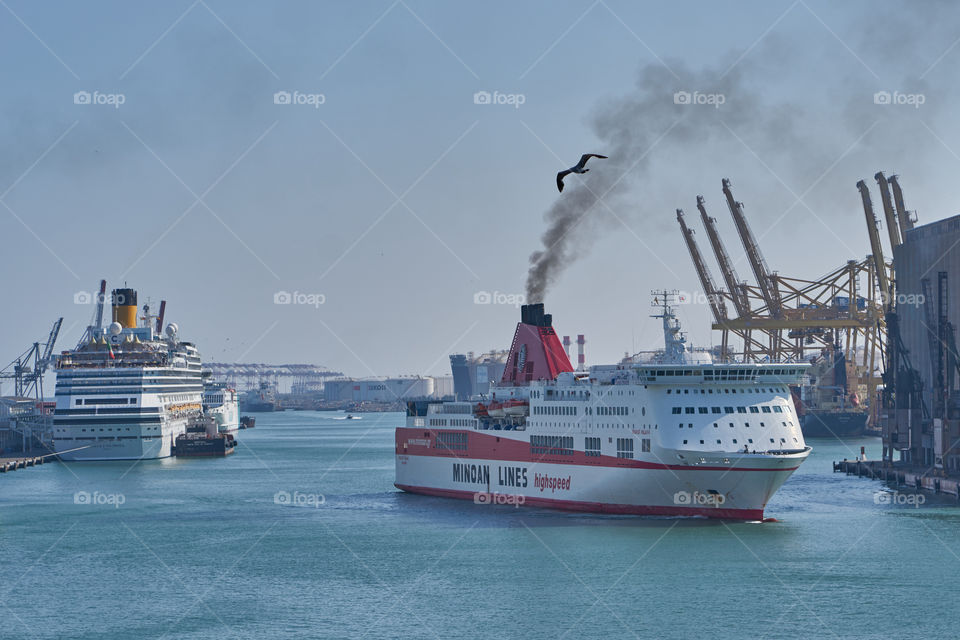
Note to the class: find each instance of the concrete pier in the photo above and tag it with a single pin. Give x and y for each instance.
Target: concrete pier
(917, 479)
(22, 462)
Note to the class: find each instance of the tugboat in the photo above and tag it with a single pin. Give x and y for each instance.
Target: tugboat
(248, 422)
(203, 440)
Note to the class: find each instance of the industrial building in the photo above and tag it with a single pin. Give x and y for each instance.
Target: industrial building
(473, 374)
(923, 405)
(387, 389)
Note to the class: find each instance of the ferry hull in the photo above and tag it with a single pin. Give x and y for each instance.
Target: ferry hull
(729, 486)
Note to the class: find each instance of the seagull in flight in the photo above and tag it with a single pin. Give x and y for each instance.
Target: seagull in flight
(578, 168)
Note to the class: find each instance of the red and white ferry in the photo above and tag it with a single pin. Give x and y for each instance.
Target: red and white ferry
(675, 435)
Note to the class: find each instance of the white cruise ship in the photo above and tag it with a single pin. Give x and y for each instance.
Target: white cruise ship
(127, 392)
(676, 435)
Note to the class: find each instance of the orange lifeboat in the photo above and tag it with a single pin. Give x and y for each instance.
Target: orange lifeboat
(516, 408)
(480, 410)
(496, 410)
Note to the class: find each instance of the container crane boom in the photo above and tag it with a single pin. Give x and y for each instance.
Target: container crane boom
(740, 301)
(879, 265)
(893, 228)
(768, 286)
(51, 341)
(906, 223)
(717, 305)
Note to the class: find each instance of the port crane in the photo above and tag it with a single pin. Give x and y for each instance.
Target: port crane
(96, 323)
(28, 369)
(787, 318)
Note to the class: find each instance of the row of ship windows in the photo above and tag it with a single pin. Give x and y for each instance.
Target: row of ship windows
(451, 408)
(583, 424)
(746, 424)
(107, 429)
(576, 394)
(552, 445)
(178, 397)
(563, 410)
(750, 441)
(709, 391)
(80, 401)
(453, 422)
(451, 440)
(144, 438)
(762, 408)
(723, 373)
(563, 446)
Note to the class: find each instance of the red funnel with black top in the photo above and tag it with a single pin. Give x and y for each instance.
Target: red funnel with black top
(536, 352)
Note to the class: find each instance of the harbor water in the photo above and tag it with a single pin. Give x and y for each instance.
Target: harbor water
(301, 534)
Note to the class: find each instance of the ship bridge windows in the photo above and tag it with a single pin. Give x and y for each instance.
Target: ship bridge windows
(674, 411)
(728, 409)
(715, 410)
(777, 409)
(765, 409)
(741, 409)
(688, 409)
(701, 410)
(754, 409)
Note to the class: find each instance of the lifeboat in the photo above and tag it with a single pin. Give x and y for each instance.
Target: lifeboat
(516, 408)
(480, 410)
(495, 409)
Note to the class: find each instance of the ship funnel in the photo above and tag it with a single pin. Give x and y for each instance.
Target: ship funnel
(536, 352)
(533, 314)
(125, 307)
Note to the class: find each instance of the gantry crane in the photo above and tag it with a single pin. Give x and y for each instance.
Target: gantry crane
(786, 318)
(768, 285)
(880, 266)
(893, 228)
(714, 295)
(28, 369)
(903, 216)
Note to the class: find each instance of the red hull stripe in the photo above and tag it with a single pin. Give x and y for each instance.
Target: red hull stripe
(488, 446)
(601, 507)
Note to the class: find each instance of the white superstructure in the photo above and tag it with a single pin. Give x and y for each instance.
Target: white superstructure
(676, 435)
(126, 393)
(220, 402)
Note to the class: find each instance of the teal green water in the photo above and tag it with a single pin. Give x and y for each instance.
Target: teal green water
(200, 549)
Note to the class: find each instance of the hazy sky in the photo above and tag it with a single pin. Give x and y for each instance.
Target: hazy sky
(399, 198)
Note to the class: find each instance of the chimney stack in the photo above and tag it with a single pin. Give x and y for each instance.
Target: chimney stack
(566, 345)
(581, 362)
(533, 314)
